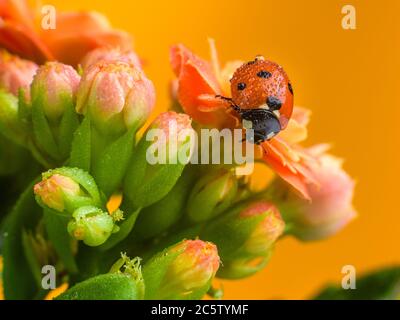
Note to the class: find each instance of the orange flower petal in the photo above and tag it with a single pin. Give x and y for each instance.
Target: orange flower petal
(22, 41)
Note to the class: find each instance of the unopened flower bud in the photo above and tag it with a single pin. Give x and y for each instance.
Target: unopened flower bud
(105, 54)
(211, 195)
(91, 225)
(54, 88)
(265, 234)
(66, 189)
(160, 158)
(330, 208)
(189, 268)
(245, 237)
(116, 96)
(15, 73)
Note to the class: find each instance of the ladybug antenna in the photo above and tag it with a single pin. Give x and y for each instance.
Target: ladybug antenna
(232, 104)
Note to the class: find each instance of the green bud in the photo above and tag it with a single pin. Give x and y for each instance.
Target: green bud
(91, 225)
(10, 125)
(66, 189)
(245, 237)
(211, 195)
(182, 271)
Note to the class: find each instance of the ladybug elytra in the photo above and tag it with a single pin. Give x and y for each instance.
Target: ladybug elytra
(262, 95)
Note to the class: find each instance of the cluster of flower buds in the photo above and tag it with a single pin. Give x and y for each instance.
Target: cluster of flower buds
(73, 193)
(104, 184)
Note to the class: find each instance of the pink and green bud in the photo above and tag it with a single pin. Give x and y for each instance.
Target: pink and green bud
(91, 225)
(105, 54)
(160, 157)
(267, 232)
(245, 236)
(116, 96)
(54, 88)
(66, 189)
(330, 208)
(15, 73)
(55, 190)
(187, 268)
(211, 195)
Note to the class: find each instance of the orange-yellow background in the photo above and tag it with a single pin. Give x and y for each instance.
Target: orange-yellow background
(350, 80)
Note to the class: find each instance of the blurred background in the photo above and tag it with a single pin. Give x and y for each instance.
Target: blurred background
(348, 78)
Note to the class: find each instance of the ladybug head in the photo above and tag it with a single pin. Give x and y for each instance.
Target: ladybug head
(263, 84)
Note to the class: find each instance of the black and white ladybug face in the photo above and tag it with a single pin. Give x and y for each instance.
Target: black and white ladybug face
(264, 123)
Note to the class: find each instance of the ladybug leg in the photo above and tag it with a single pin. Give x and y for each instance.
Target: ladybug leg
(232, 105)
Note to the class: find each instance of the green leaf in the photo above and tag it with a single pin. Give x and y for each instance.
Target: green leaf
(382, 284)
(124, 229)
(111, 166)
(156, 186)
(81, 146)
(31, 258)
(112, 286)
(56, 227)
(43, 134)
(18, 280)
(69, 123)
(166, 212)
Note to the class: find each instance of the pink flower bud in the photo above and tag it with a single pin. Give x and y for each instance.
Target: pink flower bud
(172, 123)
(267, 231)
(54, 87)
(116, 95)
(15, 73)
(192, 269)
(106, 54)
(53, 190)
(331, 206)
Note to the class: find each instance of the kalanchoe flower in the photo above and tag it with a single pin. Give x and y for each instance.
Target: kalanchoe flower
(116, 96)
(245, 237)
(211, 195)
(91, 225)
(15, 73)
(199, 81)
(187, 267)
(331, 207)
(107, 54)
(54, 88)
(66, 189)
(75, 34)
(160, 158)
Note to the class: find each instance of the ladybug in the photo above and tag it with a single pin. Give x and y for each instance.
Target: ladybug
(262, 95)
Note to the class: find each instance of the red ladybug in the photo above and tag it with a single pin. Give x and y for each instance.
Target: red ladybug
(262, 95)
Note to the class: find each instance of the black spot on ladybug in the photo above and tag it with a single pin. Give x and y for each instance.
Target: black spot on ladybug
(241, 86)
(290, 87)
(264, 74)
(251, 62)
(274, 103)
